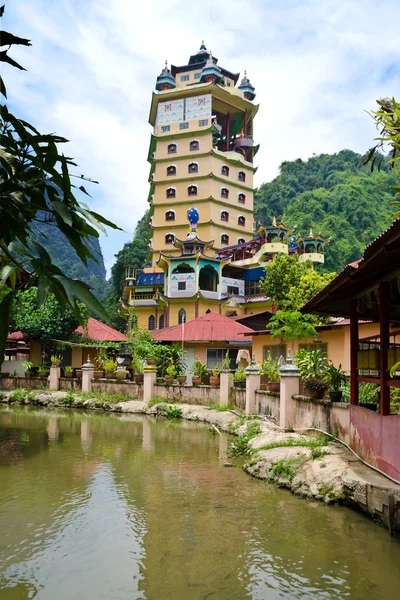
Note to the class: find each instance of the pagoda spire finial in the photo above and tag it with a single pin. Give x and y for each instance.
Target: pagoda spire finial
(274, 221)
(311, 233)
(166, 64)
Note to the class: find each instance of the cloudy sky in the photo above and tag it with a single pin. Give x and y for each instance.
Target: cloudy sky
(317, 66)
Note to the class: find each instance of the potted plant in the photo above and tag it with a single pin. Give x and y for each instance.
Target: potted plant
(270, 369)
(137, 368)
(239, 377)
(171, 373)
(68, 371)
(110, 366)
(44, 371)
(100, 359)
(312, 367)
(55, 360)
(121, 374)
(160, 380)
(215, 373)
(199, 371)
(335, 376)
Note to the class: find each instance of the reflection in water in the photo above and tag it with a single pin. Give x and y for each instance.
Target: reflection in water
(123, 507)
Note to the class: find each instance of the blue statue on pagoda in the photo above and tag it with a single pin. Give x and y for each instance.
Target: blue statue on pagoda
(193, 218)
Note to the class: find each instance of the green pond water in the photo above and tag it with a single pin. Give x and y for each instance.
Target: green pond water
(124, 507)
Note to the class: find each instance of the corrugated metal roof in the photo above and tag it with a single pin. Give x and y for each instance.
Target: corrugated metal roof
(208, 328)
(98, 331)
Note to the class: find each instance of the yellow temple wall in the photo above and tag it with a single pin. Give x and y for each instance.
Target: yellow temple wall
(181, 193)
(183, 146)
(182, 167)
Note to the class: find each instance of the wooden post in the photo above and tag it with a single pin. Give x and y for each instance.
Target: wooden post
(384, 293)
(353, 352)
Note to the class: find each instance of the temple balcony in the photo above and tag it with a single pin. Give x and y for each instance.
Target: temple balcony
(315, 257)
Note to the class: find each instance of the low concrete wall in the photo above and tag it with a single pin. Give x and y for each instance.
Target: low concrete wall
(239, 398)
(202, 394)
(28, 383)
(340, 421)
(268, 404)
(376, 439)
(70, 384)
(312, 413)
(107, 386)
(11, 366)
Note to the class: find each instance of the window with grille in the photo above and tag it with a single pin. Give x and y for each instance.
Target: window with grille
(183, 125)
(185, 77)
(152, 322)
(165, 128)
(182, 285)
(216, 355)
(161, 322)
(182, 316)
(203, 123)
(315, 346)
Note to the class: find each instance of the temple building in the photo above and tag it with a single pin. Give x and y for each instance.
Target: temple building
(201, 154)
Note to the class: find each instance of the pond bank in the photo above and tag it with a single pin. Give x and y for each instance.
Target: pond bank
(329, 472)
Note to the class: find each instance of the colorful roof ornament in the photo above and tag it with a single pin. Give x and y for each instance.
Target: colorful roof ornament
(165, 81)
(246, 87)
(202, 48)
(211, 71)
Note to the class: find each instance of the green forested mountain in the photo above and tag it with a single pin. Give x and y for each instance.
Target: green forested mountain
(65, 257)
(335, 195)
(134, 254)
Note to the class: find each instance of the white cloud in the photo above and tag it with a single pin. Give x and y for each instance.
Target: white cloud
(92, 67)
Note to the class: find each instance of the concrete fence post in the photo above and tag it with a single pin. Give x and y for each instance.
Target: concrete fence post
(225, 388)
(149, 381)
(290, 386)
(252, 384)
(87, 376)
(55, 374)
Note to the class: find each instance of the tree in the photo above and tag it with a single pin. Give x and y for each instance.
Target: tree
(36, 187)
(47, 322)
(387, 119)
(292, 325)
(291, 283)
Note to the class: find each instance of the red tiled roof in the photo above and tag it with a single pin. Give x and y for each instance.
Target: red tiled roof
(98, 331)
(17, 335)
(209, 328)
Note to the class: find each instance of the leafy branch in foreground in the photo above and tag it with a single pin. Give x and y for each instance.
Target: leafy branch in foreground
(36, 186)
(387, 120)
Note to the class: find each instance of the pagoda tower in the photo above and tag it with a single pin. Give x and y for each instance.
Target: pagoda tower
(201, 155)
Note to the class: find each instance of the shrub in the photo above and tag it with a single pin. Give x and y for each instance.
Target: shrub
(285, 467)
(172, 412)
(156, 399)
(239, 447)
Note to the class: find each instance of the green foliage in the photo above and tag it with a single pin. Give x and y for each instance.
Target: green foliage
(335, 195)
(367, 392)
(239, 447)
(134, 254)
(335, 376)
(220, 407)
(240, 374)
(285, 467)
(317, 453)
(156, 399)
(311, 442)
(68, 369)
(45, 322)
(198, 369)
(172, 412)
(270, 367)
(171, 370)
(292, 325)
(35, 181)
(20, 396)
(312, 368)
(110, 365)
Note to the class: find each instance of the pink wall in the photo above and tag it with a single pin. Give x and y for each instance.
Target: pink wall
(376, 439)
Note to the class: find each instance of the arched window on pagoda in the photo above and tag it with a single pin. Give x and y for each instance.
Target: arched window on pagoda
(241, 198)
(192, 190)
(182, 316)
(241, 220)
(193, 167)
(171, 170)
(171, 192)
(161, 322)
(194, 145)
(241, 241)
(242, 176)
(224, 216)
(172, 148)
(169, 238)
(170, 215)
(151, 322)
(225, 170)
(225, 239)
(224, 192)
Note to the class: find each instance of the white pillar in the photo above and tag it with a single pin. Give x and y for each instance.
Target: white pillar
(149, 381)
(55, 373)
(290, 386)
(252, 384)
(87, 376)
(225, 387)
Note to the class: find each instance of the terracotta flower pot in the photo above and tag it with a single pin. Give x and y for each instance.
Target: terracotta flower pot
(79, 373)
(214, 381)
(110, 374)
(68, 375)
(169, 379)
(139, 378)
(151, 361)
(196, 380)
(160, 380)
(336, 395)
(274, 386)
(181, 379)
(315, 394)
(240, 384)
(98, 374)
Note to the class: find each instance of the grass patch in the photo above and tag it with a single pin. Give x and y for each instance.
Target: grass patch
(20, 396)
(109, 398)
(240, 447)
(317, 453)
(285, 467)
(312, 443)
(220, 407)
(156, 399)
(171, 412)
